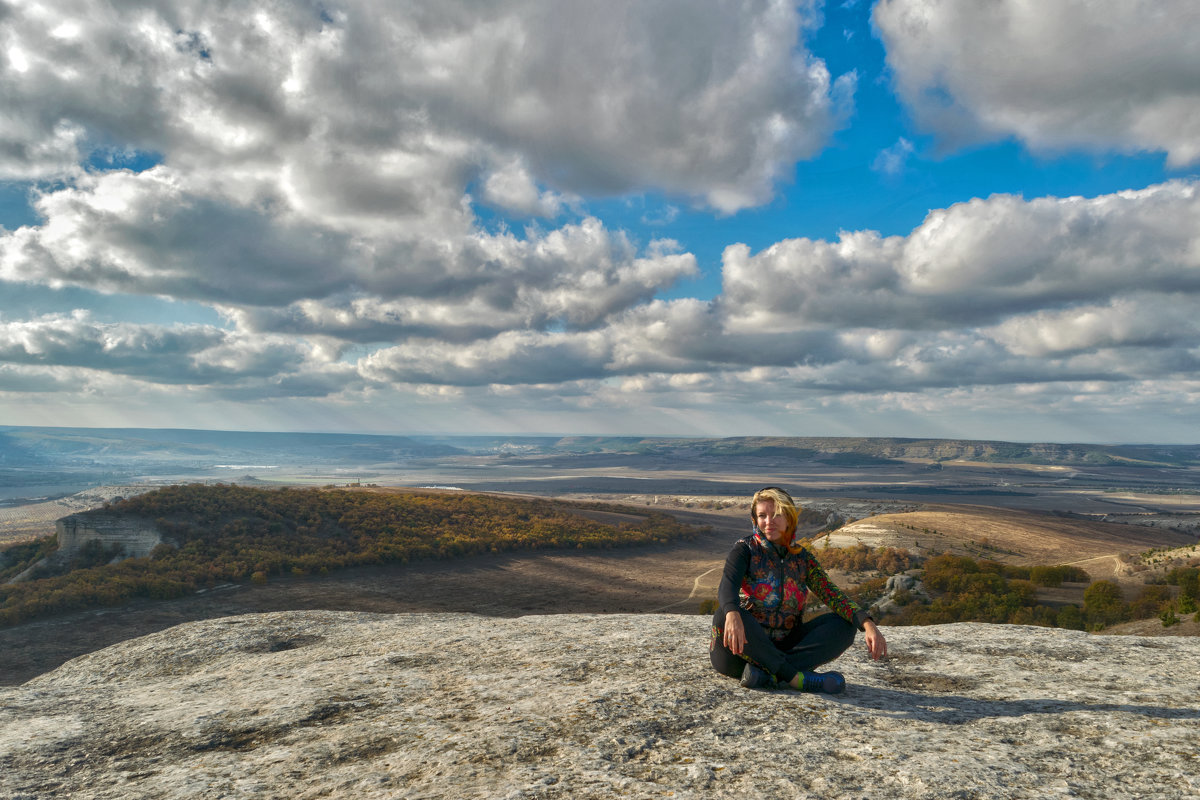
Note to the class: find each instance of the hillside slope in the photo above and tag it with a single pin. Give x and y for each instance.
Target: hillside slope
(1012, 536)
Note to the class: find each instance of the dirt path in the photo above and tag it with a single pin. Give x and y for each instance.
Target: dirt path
(1101, 568)
(699, 587)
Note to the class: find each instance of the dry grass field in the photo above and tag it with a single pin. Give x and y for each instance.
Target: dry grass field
(1012, 536)
(30, 521)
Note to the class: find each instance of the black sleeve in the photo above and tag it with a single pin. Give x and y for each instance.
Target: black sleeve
(731, 579)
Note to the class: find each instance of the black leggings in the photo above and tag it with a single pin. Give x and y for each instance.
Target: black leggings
(815, 642)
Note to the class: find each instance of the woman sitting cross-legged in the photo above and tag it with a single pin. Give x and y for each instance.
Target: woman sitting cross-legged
(758, 631)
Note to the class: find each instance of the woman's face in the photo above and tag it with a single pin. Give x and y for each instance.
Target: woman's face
(773, 527)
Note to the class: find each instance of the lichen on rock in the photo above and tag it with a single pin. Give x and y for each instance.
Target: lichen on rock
(355, 705)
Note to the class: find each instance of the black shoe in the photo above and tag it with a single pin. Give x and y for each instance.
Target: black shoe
(827, 682)
(755, 678)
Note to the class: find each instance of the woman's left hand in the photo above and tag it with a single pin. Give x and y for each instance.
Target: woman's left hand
(876, 644)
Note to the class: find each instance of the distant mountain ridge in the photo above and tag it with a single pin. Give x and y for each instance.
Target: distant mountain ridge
(34, 447)
(839, 448)
(53, 460)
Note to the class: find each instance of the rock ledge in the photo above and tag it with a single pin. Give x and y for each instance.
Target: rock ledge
(355, 705)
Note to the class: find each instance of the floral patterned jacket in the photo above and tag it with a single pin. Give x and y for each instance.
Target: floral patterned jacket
(772, 583)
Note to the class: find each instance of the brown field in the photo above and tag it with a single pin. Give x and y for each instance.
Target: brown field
(1013, 537)
(1152, 627)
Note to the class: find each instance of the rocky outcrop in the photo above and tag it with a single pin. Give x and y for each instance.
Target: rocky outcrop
(356, 705)
(898, 592)
(136, 537)
(123, 536)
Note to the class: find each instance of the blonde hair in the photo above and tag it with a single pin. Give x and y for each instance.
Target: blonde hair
(785, 506)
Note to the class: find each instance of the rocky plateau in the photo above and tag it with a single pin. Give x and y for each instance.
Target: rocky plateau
(307, 704)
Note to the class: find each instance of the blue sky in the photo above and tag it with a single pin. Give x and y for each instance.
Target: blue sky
(903, 218)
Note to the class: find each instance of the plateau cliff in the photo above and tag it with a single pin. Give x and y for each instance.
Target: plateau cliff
(135, 537)
(356, 705)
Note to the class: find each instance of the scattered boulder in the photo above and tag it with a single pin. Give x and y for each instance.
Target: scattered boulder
(898, 591)
(900, 582)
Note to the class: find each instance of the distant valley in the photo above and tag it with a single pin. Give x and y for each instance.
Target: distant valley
(1018, 503)
(40, 463)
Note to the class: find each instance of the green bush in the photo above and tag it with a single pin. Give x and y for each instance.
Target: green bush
(1104, 606)
(1070, 617)
(1187, 579)
(1057, 575)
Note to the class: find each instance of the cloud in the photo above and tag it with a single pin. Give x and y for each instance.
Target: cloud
(512, 188)
(572, 277)
(24, 380)
(1140, 320)
(148, 233)
(707, 100)
(194, 355)
(976, 263)
(391, 201)
(891, 160)
(141, 233)
(317, 167)
(1102, 76)
(989, 292)
(1000, 291)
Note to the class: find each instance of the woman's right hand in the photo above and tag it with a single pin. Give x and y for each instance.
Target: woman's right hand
(735, 633)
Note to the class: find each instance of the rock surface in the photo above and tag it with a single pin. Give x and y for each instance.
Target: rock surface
(356, 705)
(136, 537)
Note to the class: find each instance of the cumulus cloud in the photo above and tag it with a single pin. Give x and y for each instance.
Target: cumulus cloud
(1140, 320)
(1000, 291)
(386, 200)
(995, 291)
(148, 234)
(574, 277)
(1118, 75)
(317, 165)
(198, 355)
(512, 188)
(976, 263)
(349, 96)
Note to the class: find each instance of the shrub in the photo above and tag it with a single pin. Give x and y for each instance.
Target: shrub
(1070, 617)
(1056, 575)
(1103, 605)
(865, 592)
(1150, 601)
(860, 558)
(1187, 579)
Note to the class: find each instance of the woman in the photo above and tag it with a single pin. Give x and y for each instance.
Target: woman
(758, 631)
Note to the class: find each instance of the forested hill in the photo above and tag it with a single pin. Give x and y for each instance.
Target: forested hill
(219, 534)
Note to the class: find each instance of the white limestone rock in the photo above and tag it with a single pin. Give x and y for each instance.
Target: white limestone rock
(355, 705)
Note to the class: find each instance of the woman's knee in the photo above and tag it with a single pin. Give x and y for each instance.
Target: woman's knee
(724, 661)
